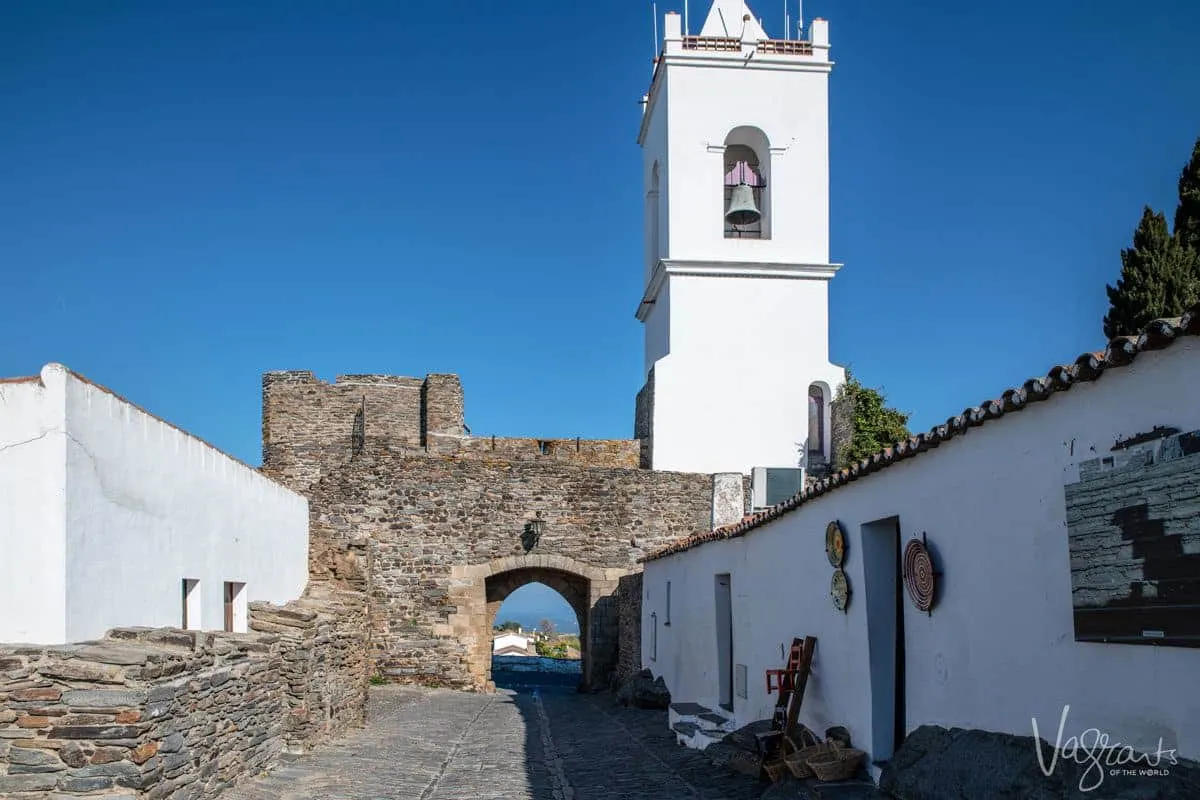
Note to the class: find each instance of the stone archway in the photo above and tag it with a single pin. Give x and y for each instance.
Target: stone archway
(477, 590)
(575, 589)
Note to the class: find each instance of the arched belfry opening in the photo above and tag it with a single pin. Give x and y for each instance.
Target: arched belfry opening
(653, 220)
(745, 171)
(817, 448)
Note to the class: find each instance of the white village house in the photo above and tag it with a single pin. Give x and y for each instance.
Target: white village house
(1002, 510)
(112, 517)
(1065, 560)
(513, 644)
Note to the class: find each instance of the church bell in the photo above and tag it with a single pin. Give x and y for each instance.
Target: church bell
(742, 210)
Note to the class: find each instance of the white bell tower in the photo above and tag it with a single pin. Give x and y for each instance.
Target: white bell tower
(735, 138)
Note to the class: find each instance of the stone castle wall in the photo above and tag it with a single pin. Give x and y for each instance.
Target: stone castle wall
(311, 427)
(166, 713)
(629, 644)
(425, 534)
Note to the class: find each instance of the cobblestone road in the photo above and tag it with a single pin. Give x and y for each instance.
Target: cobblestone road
(553, 745)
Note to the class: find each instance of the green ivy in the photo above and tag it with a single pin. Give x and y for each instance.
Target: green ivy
(863, 423)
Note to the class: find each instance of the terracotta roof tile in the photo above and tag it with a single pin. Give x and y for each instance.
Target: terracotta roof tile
(1120, 352)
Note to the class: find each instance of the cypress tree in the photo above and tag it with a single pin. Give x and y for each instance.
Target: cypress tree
(1187, 214)
(1160, 277)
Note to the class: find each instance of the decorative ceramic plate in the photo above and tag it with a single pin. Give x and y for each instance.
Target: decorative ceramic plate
(835, 543)
(839, 590)
(919, 578)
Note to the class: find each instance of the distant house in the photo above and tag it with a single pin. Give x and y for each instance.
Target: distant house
(513, 644)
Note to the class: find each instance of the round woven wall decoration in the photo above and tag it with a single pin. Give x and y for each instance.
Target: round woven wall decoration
(919, 578)
(839, 590)
(835, 544)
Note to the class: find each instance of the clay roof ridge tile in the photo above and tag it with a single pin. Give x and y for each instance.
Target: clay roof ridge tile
(1157, 334)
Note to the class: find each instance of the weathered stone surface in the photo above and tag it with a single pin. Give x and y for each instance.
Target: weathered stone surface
(643, 690)
(73, 754)
(937, 762)
(185, 721)
(70, 783)
(728, 500)
(95, 732)
(108, 654)
(47, 694)
(142, 753)
(27, 783)
(83, 671)
(104, 698)
(34, 757)
(107, 755)
(33, 721)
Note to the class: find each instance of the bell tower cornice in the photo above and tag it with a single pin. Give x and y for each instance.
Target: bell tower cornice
(729, 269)
(746, 52)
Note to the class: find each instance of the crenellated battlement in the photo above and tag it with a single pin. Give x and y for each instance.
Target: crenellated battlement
(310, 425)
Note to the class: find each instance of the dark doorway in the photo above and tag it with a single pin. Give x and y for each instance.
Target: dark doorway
(724, 606)
(884, 592)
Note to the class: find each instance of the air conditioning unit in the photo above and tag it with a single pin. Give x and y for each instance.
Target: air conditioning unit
(772, 485)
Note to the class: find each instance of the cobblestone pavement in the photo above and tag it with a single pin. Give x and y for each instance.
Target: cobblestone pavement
(433, 744)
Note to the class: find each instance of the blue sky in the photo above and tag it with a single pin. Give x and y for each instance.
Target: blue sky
(194, 193)
(534, 602)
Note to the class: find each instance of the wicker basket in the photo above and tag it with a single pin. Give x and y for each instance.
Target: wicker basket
(837, 763)
(797, 762)
(774, 770)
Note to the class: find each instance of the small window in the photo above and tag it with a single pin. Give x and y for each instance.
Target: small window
(236, 619)
(543, 447)
(667, 621)
(191, 604)
(653, 636)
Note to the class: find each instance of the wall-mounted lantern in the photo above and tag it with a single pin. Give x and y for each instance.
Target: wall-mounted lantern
(533, 532)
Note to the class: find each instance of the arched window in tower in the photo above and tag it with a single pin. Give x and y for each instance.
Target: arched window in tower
(815, 449)
(652, 222)
(744, 179)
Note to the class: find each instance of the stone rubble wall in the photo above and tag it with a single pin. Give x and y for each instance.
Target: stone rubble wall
(399, 525)
(611, 453)
(312, 428)
(162, 713)
(629, 642)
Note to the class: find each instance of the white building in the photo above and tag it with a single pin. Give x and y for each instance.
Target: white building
(1069, 566)
(730, 304)
(508, 644)
(112, 517)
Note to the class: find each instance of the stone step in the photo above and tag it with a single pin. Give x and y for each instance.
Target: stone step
(685, 728)
(697, 726)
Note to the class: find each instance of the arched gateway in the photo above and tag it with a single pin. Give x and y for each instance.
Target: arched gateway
(590, 591)
(439, 526)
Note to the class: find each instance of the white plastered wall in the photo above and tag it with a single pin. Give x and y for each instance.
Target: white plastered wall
(148, 506)
(32, 511)
(999, 648)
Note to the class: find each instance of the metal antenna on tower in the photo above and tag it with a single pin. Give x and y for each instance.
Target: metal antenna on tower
(800, 19)
(685, 19)
(787, 26)
(654, 13)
